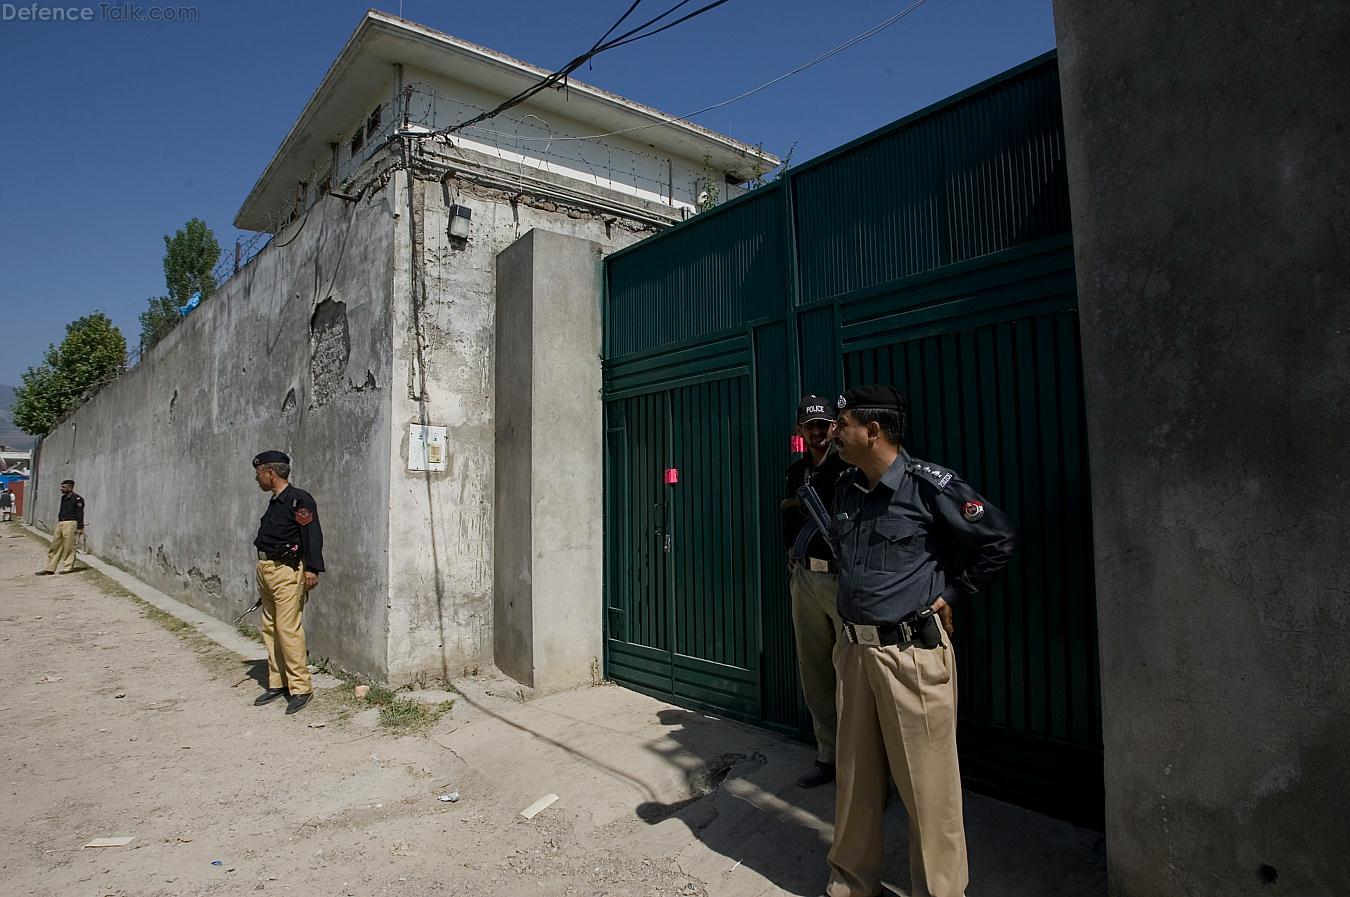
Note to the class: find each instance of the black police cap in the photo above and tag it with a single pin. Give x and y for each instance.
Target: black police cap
(873, 398)
(813, 407)
(271, 457)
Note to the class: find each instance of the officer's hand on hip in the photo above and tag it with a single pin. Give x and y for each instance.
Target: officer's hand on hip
(944, 612)
(311, 580)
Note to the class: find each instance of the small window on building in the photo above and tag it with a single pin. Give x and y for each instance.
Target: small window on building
(358, 141)
(373, 123)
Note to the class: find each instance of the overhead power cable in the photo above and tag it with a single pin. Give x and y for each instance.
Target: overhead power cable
(848, 44)
(628, 37)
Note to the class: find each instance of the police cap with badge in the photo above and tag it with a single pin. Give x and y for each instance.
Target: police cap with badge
(873, 398)
(271, 457)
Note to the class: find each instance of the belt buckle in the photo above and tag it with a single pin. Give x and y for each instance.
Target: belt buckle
(864, 635)
(819, 566)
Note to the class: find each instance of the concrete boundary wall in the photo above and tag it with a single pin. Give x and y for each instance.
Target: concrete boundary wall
(291, 353)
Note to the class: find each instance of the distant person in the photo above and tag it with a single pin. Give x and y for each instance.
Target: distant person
(290, 559)
(814, 580)
(69, 526)
(6, 504)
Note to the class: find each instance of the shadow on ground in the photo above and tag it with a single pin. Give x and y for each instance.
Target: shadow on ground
(748, 809)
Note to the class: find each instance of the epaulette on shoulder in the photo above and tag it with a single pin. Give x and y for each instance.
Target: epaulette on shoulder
(924, 472)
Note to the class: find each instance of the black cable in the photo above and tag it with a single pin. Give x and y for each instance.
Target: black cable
(616, 24)
(626, 38)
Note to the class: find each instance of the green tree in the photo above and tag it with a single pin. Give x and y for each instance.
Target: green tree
(190, 257)
(93, 353)
(157, 320)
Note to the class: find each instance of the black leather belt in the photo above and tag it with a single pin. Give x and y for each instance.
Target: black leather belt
(288, 560)
(920, 629)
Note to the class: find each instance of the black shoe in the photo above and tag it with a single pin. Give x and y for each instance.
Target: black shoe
(45, 573)
(268, 696)
(298, 702)
(820, 774)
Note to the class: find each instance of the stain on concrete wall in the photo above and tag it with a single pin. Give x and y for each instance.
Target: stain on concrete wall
(330, 350)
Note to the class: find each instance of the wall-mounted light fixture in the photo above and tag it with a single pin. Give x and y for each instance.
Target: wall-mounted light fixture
(459, 221)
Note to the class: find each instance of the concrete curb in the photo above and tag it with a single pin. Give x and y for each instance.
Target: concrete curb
(220, 632)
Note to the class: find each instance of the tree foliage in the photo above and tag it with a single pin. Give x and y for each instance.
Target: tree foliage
(157, 320)
(92, 354)
(190, 257)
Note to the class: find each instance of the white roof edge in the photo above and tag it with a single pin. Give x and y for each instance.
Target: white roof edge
(376, 21)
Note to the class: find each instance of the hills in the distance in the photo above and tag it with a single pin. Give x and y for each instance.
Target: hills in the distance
(11, 435)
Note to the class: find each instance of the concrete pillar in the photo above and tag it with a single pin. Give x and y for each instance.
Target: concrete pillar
(1208, 162)
(549, 537)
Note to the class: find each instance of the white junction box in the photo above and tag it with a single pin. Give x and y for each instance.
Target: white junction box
(426, 447)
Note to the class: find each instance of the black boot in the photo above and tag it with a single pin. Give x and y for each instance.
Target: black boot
(820, 774)
(268, 696)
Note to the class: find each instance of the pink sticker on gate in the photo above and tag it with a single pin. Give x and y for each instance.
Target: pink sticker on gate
(672, 476)
(797, 445)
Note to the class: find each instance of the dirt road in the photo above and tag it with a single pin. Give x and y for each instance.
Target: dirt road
(118, 722)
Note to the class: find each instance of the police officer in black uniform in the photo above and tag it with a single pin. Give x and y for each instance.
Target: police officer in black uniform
(290, 559)
(814, 580)
(912, 540)
(69, 527)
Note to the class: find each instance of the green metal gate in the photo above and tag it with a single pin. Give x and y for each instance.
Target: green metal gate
(935, 255)
(680, 484)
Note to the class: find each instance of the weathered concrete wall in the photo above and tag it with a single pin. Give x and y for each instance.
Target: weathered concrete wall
(549, 545)
(1209, 172)
(441, 523)
(291, 353)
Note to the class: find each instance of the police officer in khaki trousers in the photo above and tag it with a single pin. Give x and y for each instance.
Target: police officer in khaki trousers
(69, 528)
(290, 559)
(814, 580)
(912, 539)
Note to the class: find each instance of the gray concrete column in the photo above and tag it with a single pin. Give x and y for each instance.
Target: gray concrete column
(1208, 161)
(549, 538)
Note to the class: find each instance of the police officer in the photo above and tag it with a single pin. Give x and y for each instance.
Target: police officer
(290, 559)
(69, 526)
(813, 580)
(913, 539)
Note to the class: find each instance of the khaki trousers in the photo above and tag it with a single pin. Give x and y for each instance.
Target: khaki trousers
(282, 590)
(62, 550)
(815, 621)
(897, 706)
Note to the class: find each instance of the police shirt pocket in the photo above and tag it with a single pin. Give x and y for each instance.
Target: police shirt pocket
(894, 545)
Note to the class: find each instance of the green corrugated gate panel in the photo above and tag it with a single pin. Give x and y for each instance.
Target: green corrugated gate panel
(995, 387)
(717, 276)
(984, 174)
(933, 254)
(684, 561)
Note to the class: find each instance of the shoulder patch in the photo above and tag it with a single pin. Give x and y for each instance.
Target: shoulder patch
(931, 474)
(304, 516)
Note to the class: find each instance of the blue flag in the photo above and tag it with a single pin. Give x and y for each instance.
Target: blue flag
(192, 302)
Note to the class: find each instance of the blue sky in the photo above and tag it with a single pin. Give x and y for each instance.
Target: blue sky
(114, 133)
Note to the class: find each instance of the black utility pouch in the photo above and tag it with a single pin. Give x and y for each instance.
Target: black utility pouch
(927, 629)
